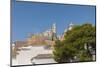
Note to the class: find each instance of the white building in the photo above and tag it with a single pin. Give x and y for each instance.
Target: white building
(50, 33)
(13, 46)
(54, 28)
(70, 26)
(25, 56)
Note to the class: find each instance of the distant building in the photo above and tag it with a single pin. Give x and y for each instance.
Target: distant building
(51, 33)
(13, 45)
(44, 37)
(54, 33)
(20, 43)
(69, 28)
(51, 30)
(48, 33)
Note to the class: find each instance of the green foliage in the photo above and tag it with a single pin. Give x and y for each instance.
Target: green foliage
(73, 44)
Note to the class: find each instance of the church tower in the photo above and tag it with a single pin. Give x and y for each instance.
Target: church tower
(54, 36)
(70, 26)
(54, 28)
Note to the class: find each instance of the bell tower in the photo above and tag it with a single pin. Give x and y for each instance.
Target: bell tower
(70, 26)
(54, 36)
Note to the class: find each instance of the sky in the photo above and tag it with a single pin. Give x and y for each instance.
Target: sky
(34, 17)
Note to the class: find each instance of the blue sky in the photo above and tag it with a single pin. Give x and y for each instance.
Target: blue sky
(30, 17)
